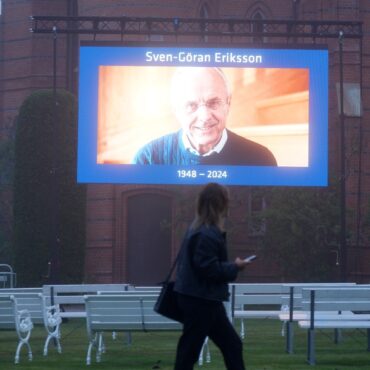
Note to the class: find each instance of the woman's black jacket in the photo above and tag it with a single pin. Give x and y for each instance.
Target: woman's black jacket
(203, 270)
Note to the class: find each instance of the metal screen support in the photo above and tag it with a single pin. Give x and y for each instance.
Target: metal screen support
(289, 325)
(343, 242)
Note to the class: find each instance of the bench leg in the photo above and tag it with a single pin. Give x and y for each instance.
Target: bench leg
(129, 338)
(88, 355)
(208, 354)
(242, 329)
(56, 338)
(92, 343)
(52, 322)
(59, 346)
(101, 344)
(200, 359)
(368, 339)
(101, 347)
(201, 355)
(283, 328)
(337, 336)
(57, 343)
(23, 327)
(311, 347)
(289, 337)
(18, 351)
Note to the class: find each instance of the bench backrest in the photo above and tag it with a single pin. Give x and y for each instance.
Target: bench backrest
(7, 312)
(255, 294)
(336, 299)
(257, 288)
(273, 294)
(20, 290)
(138, 288)
(130, 292)
(125, 312)
(298, 287)
(295, 290)
(73, 294)
(33, 302)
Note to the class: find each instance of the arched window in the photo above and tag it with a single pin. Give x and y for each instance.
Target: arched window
(204, 11)
(257, 26)
(204, 14)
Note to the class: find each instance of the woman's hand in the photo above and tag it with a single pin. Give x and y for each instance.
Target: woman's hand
(240, 263)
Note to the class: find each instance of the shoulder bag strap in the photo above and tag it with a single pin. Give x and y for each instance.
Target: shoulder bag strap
(176, 259)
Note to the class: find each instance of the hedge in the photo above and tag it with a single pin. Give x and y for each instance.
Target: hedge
(49, 206)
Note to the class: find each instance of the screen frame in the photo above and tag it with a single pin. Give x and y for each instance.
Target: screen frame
(313, 57)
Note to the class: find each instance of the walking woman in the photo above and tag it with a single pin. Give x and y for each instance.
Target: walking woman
(203, 274)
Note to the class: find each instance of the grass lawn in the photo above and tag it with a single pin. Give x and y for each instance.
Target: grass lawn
(264, 349)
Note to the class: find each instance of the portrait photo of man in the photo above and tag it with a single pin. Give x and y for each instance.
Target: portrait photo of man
(198, 115)
(201, 99)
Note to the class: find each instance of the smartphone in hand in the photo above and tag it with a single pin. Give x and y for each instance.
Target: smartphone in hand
(250, 258)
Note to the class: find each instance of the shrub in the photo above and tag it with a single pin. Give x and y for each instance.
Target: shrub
(49, 206)
(302, 233)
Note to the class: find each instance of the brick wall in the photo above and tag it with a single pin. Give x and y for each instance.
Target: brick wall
(26, 65)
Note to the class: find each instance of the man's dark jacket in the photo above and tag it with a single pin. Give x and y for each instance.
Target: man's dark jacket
(238, 151)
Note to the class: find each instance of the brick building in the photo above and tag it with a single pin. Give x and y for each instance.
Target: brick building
(115, 245)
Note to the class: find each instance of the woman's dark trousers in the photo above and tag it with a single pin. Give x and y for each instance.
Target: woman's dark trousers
(204, 318)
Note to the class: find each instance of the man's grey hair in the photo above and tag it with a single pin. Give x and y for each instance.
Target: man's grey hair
(180, 71)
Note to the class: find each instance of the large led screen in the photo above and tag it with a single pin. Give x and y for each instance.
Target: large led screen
(191, 115)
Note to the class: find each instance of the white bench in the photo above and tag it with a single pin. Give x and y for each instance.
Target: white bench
(151, 288)
(291, 307)
(131, 292)
(11, 318)
(21, 290)
(70, 297)
(352, 305)
(121, 313)
(255, 301)
(41, 314)
(155, 290)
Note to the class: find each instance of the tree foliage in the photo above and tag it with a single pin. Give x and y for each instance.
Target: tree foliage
(49, 206)
(302, 232)
(6, 176)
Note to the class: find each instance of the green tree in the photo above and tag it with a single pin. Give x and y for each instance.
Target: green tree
(49, 206)
(303, 232)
